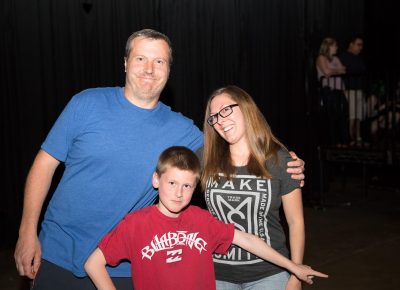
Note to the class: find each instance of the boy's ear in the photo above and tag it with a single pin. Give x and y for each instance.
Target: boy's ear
(125, 63)
(155, 180)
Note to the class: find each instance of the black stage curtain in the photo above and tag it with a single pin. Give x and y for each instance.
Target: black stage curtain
(52, 49)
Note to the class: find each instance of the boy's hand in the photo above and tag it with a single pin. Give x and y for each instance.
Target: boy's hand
(306, 274)
(296, 168)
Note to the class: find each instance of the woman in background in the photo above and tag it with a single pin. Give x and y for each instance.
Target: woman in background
(333, 99)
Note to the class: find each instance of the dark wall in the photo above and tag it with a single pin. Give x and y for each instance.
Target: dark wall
(50, 50)
(382, 37)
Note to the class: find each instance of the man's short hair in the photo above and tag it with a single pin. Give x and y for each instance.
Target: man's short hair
(150, 34)
(354, 37)
(179, 157)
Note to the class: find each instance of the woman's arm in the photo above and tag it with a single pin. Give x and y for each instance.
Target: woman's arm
(339, 66)
(293, 208)
(95, 267)
(326, 69)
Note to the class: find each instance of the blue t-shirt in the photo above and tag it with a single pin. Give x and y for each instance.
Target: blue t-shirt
(110, 148)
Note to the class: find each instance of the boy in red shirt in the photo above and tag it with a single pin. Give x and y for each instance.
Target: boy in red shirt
(170, 244)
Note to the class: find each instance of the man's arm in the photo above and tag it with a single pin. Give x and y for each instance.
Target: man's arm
(28, 252)
(95, 267)
(258, 247)
(296, 168)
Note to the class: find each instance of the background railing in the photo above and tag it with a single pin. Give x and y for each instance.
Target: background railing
(372, 100)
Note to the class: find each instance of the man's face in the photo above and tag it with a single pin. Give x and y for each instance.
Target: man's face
(175, 190)
(356, 46)
(147, 70)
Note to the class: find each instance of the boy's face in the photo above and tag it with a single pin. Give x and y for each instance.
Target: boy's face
(175, 188)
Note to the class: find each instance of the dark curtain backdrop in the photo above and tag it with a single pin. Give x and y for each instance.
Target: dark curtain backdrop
(51, 50)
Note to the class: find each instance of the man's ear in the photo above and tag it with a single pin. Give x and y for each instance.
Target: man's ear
(125, 63)
(155, 180)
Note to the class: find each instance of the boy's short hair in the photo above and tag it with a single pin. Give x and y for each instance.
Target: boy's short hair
(179, 157)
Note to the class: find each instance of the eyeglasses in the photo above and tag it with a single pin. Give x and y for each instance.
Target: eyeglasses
(225, 112)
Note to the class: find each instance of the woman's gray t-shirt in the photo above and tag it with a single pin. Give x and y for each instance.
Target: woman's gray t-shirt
(252, 204)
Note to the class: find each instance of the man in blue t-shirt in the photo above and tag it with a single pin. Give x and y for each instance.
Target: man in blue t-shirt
(109, 140)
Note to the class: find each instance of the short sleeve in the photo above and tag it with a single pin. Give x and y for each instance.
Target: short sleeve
(278, 170)
(115, 245)
(64, 130)
(222, 233)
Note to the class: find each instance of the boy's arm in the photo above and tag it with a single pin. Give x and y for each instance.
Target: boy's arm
(258, 247)
(95, 267)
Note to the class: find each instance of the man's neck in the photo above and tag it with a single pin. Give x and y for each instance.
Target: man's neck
(144, 103)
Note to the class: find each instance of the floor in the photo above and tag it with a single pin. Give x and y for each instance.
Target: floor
(354, 238)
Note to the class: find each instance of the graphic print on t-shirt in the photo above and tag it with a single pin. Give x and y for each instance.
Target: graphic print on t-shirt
(245, 201)
(168, 241)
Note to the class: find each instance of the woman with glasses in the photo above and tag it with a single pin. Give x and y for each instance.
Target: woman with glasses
(245, 183)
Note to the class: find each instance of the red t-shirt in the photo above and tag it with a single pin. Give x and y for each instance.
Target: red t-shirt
(169, 253)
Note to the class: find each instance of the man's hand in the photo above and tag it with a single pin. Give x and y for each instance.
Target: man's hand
(28, 255)
(296, 168)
